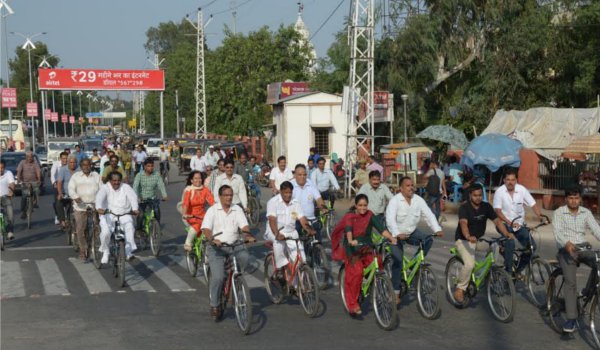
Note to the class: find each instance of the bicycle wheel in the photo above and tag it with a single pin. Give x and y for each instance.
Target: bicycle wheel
(330, 225)
(453, 269)
(595, 320)
(96, 254)
(555, 301)
(155, 236)
(141, 239)
(427, 294)
(384, 302)
(254, 216)
(308, 290)
(204, 262)
(73, 234)
(30, 211)
(2, 233)
(166, 177)
(242, 304)
(341, 279)
(538, 274)
(121, 264)
(273, 285)
(388, 261)
(192, 263)
(320, 265)
(501, 294)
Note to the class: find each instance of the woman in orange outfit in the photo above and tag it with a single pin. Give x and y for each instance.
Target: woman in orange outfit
(196, 200)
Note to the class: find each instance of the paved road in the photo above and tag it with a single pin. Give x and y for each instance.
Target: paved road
(52, 301)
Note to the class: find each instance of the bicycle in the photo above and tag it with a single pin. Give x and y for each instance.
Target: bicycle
(117, 250)
(150, 233)
(327, 220)
(69, 228)
(588, 302)
(3, 236)
(253, 207)
(28, 193)
(378, 285)
(499, 283)
(197, 256)
(164, 172)
(235, 282)
(298, 273)
(316, 257)
(538, 270)
(92, 234)
(414, 269)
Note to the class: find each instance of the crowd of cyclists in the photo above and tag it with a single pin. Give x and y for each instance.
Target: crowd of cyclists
(215, 202)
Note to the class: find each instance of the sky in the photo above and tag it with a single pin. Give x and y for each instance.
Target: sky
(110, 34)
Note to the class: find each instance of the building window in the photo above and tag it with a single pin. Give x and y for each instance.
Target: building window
(322, 141)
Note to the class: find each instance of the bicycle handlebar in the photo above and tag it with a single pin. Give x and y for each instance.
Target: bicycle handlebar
(492, 241)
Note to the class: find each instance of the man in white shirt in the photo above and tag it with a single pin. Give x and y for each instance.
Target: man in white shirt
(509, 203)
(83, 187)
(53, 173)
(307, 195)
(7, 189)
(240, 197)
(324, 180)
(198, 161)
(117, 198)
(139, 156)
(212, 157)
(279, 174)
(402, 216)
(282, 213)
(163, 159)
(220, 225)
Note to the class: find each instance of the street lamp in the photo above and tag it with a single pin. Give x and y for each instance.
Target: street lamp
(45, 64)
(404, 98)
(9, 11)
(30, 46)
(79, 93)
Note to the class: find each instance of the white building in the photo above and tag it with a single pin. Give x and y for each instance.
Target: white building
(302, 121)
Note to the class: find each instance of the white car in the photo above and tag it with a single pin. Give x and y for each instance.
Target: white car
(57, 145)
(153, 147)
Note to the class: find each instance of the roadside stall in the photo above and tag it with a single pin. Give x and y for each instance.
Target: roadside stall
(400, 159)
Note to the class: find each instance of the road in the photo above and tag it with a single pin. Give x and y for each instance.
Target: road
(52, 301)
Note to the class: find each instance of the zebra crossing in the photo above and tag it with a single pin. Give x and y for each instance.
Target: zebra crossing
(69, 276)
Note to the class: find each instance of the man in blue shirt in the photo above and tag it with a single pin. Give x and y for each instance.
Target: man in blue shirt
(307, 195)
(324, 179)
(314, 155)
(79, 155)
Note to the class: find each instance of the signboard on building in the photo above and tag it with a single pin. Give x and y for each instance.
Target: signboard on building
(279, 91)
(32, 110)
(9, 98)
(101, 79)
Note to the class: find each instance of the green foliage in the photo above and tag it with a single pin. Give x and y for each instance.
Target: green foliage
(236, 76)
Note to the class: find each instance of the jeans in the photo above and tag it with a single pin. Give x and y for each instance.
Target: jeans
(253, 186)
(328, 196)
(143, 205)
(398, 254)
(569, 268)
(433, 201)
(6, 203)
(216, 261)
(164, 164)
(522, 235)
(35, 194)
(61, 207)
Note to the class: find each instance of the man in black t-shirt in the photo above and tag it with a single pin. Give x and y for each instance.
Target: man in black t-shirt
(472, 220)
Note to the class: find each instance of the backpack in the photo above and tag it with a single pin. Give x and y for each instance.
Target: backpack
(433, 184)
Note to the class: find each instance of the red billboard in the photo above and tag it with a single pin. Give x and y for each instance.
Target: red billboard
(289, 89)
(71, 119)
(380, 99)
(32, 109)
(64, 118)
(54, 116)
(9, 98)
(101, 79)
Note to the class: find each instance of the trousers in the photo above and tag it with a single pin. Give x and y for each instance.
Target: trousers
(216, 261)
(107, 225)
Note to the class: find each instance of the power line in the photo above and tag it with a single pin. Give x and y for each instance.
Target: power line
(326, 20)
(207, 5)
(231, 8)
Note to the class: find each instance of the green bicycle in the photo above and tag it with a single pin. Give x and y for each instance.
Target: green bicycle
(197, 256)
(3, 237)
(327, 220)
(150, 233)
(500, 287)
(415, 269)
(378, 285)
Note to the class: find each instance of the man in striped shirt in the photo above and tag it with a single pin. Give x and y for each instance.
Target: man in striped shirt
(145, 185)
(569, 226)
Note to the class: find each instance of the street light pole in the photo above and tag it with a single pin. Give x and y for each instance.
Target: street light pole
(30, 46)
(45, 64)
(63, 112)
(79, 93)
(156, 63)
(404, 98)
(72, 125)
(9, 11)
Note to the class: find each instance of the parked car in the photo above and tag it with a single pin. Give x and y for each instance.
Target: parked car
(42, 153)
(12, 160)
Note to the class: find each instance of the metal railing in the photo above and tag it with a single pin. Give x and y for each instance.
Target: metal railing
(564, 174)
